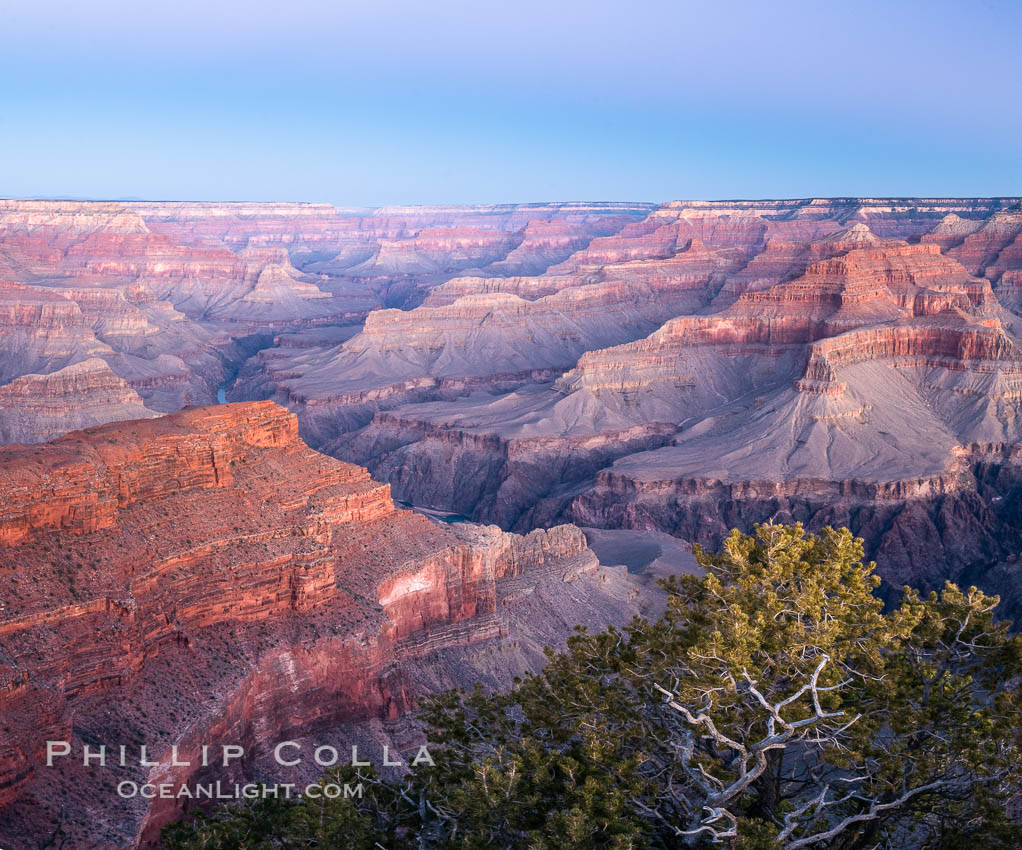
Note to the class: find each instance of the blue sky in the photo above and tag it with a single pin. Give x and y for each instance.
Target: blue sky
(393, 101)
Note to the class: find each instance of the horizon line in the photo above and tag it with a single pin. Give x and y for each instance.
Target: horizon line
(746, 200)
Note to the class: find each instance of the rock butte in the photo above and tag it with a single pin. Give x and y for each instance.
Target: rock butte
(219, 582)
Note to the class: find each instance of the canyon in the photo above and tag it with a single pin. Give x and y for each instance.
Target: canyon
(587, 388)
(621, 365)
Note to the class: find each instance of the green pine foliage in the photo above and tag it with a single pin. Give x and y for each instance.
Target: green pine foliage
(774, 706)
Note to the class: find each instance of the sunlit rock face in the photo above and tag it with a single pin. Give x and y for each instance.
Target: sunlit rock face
(206, 578)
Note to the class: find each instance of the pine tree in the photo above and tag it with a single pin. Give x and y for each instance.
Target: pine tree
(775, 704)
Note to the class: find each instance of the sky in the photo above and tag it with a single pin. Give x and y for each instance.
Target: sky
(479, 101)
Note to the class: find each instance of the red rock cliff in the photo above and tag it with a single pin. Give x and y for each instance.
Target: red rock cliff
(171, 567)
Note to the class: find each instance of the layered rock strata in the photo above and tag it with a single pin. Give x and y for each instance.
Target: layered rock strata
(847, 341)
